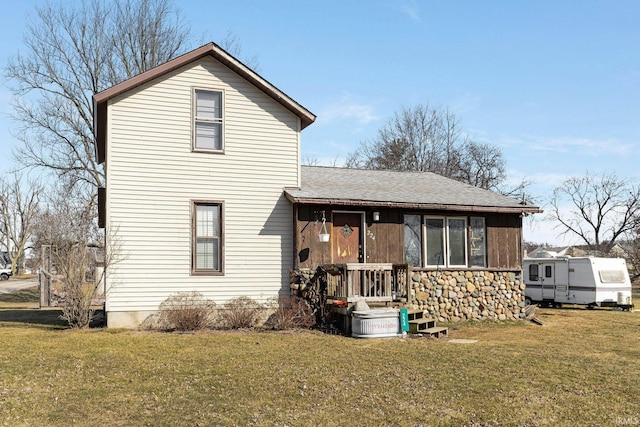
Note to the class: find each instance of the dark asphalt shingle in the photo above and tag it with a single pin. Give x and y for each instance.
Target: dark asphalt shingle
(379, 187)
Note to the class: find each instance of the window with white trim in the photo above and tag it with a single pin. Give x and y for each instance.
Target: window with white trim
(442, 241)
(208, 120)
(207, 237)
(456, 242)
(434, 231)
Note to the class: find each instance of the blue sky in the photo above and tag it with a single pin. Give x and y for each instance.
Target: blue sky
(555, 84)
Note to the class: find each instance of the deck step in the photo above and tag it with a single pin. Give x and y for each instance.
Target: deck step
(436, 331)
(420, 325)
(415, 314)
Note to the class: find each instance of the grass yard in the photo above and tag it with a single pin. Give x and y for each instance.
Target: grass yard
(581, 368)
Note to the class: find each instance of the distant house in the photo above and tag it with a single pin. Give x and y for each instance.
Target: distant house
(205, 192)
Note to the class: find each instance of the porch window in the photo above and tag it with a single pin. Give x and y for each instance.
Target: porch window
(207, 238)
(434, 245)
(413, 240)
(208, 120)
(446, 242)
(478, 244)
(457, 242)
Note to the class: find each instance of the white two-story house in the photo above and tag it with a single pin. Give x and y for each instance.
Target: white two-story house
(197, 153)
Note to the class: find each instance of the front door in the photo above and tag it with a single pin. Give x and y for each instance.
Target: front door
(347, 243)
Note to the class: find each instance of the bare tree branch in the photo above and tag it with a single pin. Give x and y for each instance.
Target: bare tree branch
(427, 139)
(73, 52)
(597, 209)
(19, 207)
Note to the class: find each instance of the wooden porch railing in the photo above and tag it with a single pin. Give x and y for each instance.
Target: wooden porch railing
(369, 282)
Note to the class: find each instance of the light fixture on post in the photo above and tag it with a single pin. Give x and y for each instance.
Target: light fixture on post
(376, 216)
(324, 234)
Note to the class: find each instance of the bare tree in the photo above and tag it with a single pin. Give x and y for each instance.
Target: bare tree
(420, 138)
(73, 52)
(71, 231)
(19, 204)
(428, 139)
(481, 165)
(232, 44)
(596, 209)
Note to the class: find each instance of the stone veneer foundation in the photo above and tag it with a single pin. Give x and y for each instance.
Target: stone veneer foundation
(455, 295)
(450, 295)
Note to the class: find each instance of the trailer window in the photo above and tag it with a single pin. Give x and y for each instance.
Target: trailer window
(548, 271)
(533, 272)
(611, 276)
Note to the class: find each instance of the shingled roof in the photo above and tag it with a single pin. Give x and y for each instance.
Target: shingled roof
(410, 190)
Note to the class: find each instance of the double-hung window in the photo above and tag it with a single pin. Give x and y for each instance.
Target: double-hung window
(208, 120)
(207, 238)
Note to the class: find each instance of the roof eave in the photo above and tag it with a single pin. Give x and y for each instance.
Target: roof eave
(422, 206)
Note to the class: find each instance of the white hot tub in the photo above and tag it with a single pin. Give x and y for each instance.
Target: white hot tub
(377, 323)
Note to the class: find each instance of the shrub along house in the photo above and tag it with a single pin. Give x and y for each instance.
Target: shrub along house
(205, 192)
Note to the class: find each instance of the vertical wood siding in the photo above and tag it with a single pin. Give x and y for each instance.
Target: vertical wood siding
(152, 177)
(385, 239)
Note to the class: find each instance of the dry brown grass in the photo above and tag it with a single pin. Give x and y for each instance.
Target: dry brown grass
(581, 368)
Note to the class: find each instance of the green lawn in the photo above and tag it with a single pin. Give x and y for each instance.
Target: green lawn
(581, 368)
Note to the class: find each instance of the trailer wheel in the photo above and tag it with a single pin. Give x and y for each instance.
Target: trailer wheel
(590, 307)
(527, 302)
(4, 276)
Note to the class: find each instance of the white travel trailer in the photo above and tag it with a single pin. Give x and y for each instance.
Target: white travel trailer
(587, 281)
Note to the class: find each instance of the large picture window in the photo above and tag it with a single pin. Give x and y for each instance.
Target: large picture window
(208, 120)
(207, 237)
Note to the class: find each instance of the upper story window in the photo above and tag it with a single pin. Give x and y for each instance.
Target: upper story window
(208, 120)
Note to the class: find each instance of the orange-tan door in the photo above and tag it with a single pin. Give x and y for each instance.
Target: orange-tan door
(347, 246)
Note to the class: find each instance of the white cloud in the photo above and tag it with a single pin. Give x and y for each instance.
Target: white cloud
(411, 9)
(568, 144)
(346, 109)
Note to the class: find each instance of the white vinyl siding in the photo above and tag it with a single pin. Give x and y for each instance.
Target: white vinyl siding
(154, 176)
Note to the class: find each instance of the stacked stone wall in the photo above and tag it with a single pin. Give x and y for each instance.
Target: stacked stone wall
(470, 294)
(447, 295)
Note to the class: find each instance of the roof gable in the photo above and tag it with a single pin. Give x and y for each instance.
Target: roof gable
(419, 190)
(101, 99)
